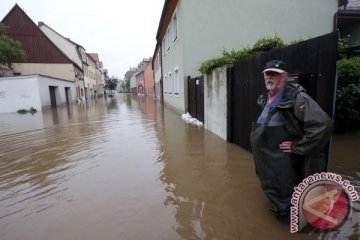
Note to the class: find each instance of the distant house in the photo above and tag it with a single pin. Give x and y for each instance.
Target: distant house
(191, 32)
(156, 65)
(140, 83)
(348, 22)
(133, 83)
(99, 74)
(144, 79)
(90, 75)
(128, 78)
(43, 57)
(149, 79)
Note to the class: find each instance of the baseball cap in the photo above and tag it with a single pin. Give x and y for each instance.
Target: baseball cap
(275, 66)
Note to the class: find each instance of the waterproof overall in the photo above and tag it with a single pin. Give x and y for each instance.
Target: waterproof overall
(278, 172)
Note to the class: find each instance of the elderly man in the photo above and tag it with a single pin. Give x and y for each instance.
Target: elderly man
(288, 138)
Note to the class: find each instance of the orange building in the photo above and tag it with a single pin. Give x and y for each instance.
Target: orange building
(149, 78)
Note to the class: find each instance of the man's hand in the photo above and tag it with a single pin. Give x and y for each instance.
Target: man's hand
(286, 146)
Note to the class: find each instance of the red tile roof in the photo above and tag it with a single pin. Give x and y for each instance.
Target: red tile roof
(37, 46)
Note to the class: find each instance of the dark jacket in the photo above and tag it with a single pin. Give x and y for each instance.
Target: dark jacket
(307, 122)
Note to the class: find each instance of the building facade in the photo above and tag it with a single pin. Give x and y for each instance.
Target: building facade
(191, 32)
(157, 73)
(90, 74)
(99, 74)
(149, 79)
(73, 51)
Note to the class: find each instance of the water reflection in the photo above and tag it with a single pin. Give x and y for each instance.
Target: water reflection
(127, 168)
(34, 161)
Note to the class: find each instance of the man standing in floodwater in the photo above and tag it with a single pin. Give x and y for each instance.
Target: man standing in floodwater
(288, 138)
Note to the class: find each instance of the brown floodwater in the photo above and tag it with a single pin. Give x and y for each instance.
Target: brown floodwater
(127, 168)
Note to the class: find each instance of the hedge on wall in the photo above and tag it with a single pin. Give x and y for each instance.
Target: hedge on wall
(262, 45)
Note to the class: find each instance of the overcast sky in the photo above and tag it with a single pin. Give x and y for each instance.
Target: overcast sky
(122, 32)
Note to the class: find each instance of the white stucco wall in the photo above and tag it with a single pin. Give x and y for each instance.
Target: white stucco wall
(23, 92)
(157, 73)
(157, 67)
(19, 93)
(45, 82)
(212, 26)
(215, 102)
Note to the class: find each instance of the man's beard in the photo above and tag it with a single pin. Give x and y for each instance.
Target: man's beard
(270, 86)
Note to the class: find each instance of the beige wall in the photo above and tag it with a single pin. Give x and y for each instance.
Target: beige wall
(157, 73)
(62, 71)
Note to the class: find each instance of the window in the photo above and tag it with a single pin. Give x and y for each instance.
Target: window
(176, 81)
(168, 39)
(163, 46)
(174, 27)
(170, 83)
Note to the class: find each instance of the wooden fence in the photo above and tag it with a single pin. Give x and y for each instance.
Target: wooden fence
(312, 63)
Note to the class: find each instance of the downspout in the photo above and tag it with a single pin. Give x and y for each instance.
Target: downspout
(161, 78)
(335, 20)
(144, 90)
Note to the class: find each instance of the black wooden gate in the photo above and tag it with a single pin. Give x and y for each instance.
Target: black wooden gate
(196, 97)
(312, 63)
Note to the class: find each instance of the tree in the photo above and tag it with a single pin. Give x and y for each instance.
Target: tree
(127, 85)
(110, 84)
(10, 50)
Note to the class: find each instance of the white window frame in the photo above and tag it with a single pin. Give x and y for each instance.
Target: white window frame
(163, 46)
(170, 83)
(165, 84)
(168, 35)
(176, 81)
(174, 25)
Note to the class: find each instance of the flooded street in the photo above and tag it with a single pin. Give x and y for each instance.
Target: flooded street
(126, 168)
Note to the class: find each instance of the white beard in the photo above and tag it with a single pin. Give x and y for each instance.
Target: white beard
(270, 86)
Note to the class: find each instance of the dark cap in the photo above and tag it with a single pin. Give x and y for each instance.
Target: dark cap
(275, 66)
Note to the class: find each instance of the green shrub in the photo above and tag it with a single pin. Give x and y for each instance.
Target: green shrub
(267, 43)
(347, 113)
(32, 110)
(22, 111)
